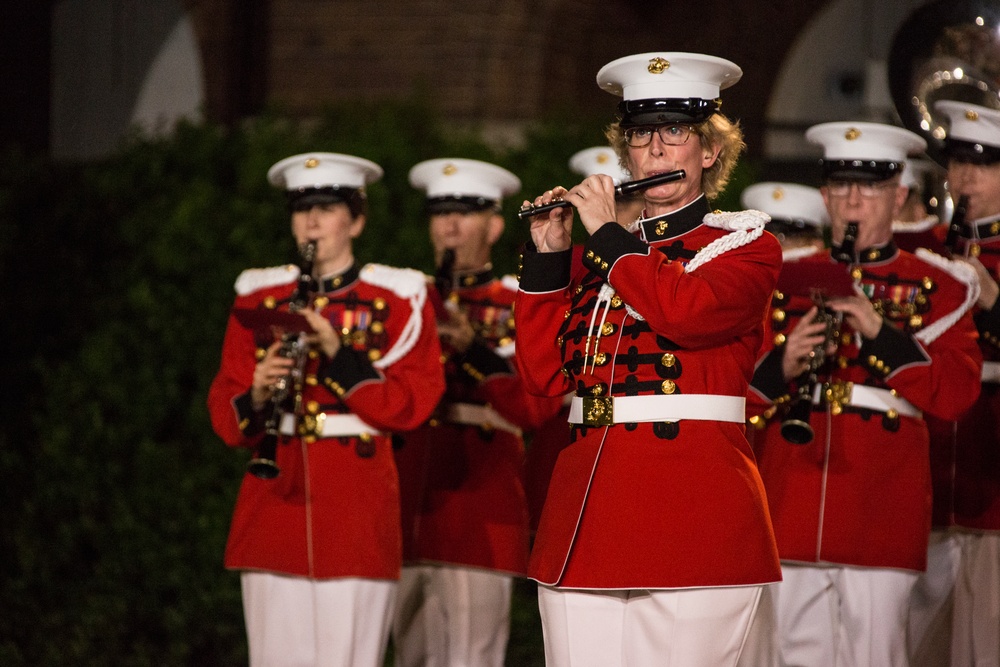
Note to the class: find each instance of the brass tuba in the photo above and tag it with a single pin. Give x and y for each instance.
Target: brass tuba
(945, 50)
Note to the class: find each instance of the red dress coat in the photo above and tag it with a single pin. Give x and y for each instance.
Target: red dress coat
(462, 483)
(333, 511)
(968, 451)
(859, 493)
(652, 504)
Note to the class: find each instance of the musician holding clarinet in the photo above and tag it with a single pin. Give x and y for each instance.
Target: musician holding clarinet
(654, 541)
(850, 503)
(315, 532)
(465, 515)
(967, 450)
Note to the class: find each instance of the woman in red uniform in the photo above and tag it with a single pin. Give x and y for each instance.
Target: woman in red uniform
(654, 542)
(319, 545)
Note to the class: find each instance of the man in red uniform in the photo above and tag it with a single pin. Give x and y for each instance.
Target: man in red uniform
(850, 501)
(319, 544)
(465, 518)
(654, 542)
(972, 146)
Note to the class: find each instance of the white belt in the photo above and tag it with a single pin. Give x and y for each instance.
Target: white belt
(326, 425)
(483, 416)
(607, 410)
(991, 371)
(863, 396)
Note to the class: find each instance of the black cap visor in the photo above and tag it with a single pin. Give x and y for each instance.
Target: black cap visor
(304, 199)
(458, 204)
(860, 170)
(659, 111)
(971, 152)
(793, 228)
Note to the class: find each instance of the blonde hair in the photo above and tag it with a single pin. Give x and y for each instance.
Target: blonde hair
(717, 131)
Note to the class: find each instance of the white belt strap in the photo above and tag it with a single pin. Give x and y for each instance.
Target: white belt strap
(607, 410)
(872, 398)
(326, 425)
(991, 371)
(484, 416)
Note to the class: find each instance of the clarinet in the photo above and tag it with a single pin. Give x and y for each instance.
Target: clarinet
(957, 225)
(263, 465)
(795, 426)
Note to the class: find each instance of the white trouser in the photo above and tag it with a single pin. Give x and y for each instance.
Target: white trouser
(843, 616)
(931, 603)
(297, 621)
(449, 616)
(691, 627)
(976, 628)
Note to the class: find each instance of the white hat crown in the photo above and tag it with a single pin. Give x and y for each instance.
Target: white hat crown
(787, 201)
(668, 75)
(323, 170)
(599, 160)
(971, 122)
(461, 177)
(875, 142)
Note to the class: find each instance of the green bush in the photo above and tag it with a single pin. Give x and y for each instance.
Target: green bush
(117, 280)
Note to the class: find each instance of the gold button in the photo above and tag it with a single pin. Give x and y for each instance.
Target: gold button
(600, 358)
(566, 315)
(872, 360)
(590, 254)
(607, 329)
(559, 341)
(779, 339)
(374, 355)
(668, 360)
(604, 266)
(778, 315)
(616, 301)
(916, 321)
(365, 437)
(313, 354)
(891, 414)
(975, 250)
(668, 386)
(312, 407)
(779, 295)
(320, 302)
(856, 273)
(927, 283)
(260, 353)
(311, 380)
(378, 303)
(270, 302)
(376, 327)
(873, 254)
(579, 288)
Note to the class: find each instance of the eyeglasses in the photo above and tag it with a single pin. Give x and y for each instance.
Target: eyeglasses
(865, 189)
(671, 135)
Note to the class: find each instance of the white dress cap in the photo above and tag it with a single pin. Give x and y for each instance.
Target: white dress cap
(323, 170)
(668, 75)
(865, 141)
(462, 178)
(971, 122)
(599, 160)
(787, 201)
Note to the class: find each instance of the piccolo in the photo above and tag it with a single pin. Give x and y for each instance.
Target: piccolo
(623, 190)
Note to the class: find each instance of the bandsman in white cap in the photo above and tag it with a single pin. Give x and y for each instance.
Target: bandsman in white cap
(465, 517)
(654, 542)
(915, 226)
(968, 450)
(883, 336)
(320, 362)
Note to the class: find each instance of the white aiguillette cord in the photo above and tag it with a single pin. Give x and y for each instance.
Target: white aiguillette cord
(605, 295)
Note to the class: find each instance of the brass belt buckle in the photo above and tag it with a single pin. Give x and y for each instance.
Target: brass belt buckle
(838, 394)
(311, 426)
(598, 411)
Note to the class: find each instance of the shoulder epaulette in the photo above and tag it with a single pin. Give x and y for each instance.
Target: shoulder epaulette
(251, 280)
(510, 282)
(795, 254)
(734, 221)
(404, 283)
(961, 272)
